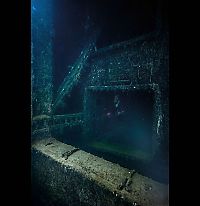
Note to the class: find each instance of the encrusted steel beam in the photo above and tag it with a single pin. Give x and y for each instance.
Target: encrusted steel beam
(74, 74)
(153, 87)
(69, 176)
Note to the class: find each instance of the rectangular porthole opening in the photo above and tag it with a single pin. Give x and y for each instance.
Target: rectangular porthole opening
(121, 120)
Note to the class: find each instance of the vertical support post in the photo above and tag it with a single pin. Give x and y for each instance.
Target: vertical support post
(42, 56)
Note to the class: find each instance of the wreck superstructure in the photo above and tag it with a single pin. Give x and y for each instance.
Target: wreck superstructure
(124, 83)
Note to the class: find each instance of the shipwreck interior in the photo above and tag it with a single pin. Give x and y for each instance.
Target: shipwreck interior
(100, 102)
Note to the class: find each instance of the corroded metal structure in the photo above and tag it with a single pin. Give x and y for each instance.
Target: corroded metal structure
(41, 57)
(70, 176)
(74, 74)
(65, 174)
